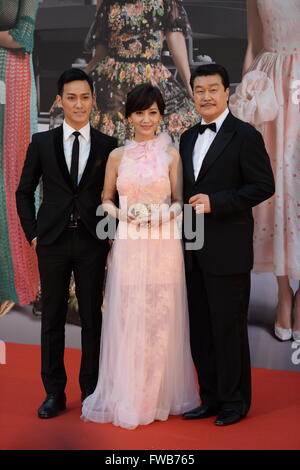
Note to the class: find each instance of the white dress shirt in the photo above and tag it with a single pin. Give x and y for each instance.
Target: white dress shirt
(84, 146)
(204, 141)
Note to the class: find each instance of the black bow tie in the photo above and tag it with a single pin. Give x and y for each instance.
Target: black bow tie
(212, 126)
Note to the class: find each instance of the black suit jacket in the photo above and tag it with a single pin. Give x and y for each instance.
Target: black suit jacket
(236, 174)
(45, 158)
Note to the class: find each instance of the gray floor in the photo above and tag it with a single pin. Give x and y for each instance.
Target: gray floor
(20, 326)
(266, 350)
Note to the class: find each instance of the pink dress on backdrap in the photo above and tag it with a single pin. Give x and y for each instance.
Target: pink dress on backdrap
(146, 370)
(268, 99)
(19, 277)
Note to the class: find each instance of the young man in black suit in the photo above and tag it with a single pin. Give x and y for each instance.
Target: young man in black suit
(71, 161)
(226, 172)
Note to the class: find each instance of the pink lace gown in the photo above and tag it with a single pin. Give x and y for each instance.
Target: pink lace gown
(268, 99)
(146, 370)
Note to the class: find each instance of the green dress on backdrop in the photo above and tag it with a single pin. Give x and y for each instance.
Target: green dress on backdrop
(18, 121)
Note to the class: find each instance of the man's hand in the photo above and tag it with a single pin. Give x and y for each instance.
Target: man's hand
(33, 243)
(203, 203)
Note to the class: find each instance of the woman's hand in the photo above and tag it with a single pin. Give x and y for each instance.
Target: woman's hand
(189, 90)
(54, 106)
(99, 54)
(126, 216)
(7, 41)
(160, 217)
(177, 47)
(255, 34)
(90, 66)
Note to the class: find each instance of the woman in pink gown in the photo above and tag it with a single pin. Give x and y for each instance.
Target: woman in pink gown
(146, 370)
(268, 98)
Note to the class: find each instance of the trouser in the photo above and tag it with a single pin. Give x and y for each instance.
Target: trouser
(75, 250)
(218, 307)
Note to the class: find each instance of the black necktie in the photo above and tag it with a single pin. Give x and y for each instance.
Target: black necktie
(75, 159)
(212, 126)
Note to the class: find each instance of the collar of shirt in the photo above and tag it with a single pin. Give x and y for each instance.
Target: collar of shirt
(84, 131)
(219, 121)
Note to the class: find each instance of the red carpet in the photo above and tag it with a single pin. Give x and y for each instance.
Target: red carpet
(273, 421)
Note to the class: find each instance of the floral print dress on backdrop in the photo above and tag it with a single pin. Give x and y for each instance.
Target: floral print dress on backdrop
(133, 32)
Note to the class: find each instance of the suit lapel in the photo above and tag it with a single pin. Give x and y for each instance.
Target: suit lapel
(60, 155)
(222, 138)
(189, 153)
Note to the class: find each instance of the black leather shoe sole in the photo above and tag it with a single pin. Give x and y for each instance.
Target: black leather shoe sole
(200, 413)
(227, 420)
(51, 407)
(45, 414)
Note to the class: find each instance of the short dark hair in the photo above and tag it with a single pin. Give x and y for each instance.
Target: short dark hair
(211, 69)
(142, 97)
(71, 75)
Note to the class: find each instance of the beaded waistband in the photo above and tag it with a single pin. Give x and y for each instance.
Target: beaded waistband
(134, 59)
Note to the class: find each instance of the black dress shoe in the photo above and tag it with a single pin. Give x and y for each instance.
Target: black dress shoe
(53, 404)
(228, 416)
(202, 411)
